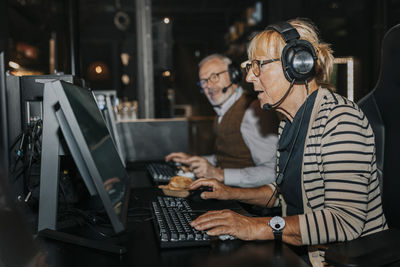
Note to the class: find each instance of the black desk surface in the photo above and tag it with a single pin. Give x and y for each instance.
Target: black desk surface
(143, 248)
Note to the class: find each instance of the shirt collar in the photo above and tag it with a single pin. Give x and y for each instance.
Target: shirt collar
(221, 110)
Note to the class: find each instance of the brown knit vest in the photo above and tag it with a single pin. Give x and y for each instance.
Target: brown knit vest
(231, 150)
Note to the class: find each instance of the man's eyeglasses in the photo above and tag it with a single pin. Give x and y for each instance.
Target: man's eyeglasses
(255, 65)
(214, 78)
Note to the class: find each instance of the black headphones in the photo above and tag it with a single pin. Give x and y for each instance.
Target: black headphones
(298, 56)
(235, 73)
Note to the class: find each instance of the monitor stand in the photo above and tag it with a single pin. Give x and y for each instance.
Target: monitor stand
(80, 241)
(52, 150)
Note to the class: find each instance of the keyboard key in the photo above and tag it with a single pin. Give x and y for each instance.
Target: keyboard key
(199, 236)
(164, 237)
(174, 236)
(206, 237)
(182, 236)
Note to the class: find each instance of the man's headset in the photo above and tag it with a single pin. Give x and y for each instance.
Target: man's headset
(298, 58)
(235, 75)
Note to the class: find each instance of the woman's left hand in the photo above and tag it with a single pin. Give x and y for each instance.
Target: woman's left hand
(228, 222)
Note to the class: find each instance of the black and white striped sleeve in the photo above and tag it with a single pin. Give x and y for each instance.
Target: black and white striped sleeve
(346, 154)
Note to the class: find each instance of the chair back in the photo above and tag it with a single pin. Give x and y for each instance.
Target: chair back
(380, 107)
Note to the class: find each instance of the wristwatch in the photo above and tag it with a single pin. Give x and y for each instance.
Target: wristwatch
(277, 224)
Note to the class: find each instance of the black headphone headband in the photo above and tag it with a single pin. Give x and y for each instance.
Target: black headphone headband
(298, 56)
(287, 31)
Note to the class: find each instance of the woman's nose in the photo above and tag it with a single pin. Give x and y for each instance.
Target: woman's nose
(250, 76)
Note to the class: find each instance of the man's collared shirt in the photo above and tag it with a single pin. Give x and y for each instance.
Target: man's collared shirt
(262, 149)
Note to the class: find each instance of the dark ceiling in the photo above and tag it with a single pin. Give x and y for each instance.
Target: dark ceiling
(197, 28)
(192, 20)
(201, 20)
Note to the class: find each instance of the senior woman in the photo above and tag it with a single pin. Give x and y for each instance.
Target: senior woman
(327, 181)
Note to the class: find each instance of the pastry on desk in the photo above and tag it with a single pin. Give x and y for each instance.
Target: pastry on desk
(178, 186)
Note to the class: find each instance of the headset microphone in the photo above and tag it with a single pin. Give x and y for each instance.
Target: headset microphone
(226, 88)
(271, 106)
(266, 107)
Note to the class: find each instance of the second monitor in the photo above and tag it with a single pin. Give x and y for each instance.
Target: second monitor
(74, 111)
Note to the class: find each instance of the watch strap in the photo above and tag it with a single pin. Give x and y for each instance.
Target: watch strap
(278, 235)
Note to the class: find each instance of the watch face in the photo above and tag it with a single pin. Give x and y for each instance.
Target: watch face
(277, 223)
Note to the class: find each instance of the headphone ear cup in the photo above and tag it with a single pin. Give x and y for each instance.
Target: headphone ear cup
(285, 59)
(298, 61)
(235, 73)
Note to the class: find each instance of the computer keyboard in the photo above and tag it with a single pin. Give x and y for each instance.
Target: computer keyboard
(172, 223)
(161, 172)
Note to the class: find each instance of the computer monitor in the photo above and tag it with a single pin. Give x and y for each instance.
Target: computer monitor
(4, 156)
(107, 102)
(74, 110)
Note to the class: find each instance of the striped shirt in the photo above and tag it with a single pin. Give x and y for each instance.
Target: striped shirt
(341, 194)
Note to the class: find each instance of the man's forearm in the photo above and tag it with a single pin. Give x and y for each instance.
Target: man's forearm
(256, 196)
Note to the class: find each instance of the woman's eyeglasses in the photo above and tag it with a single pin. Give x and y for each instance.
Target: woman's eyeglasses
(214, 78)
(255, 65)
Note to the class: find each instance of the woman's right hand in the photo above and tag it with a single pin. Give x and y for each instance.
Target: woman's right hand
(219, 190)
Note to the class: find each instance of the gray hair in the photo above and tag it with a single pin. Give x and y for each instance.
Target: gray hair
(214, 56)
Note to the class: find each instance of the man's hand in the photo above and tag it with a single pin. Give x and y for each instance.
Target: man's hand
(219, 190)
(177, 157)
(202, 168)
(221, 222)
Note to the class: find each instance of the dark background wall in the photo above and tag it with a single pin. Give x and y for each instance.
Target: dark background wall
(196, 29)
(4, 28)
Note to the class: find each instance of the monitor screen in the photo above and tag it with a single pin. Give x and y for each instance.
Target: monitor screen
(92, 147)
(99, 142)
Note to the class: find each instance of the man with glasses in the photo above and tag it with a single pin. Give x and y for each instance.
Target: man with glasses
(245, 149)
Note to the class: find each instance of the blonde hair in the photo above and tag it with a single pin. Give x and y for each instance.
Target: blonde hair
(270, 43)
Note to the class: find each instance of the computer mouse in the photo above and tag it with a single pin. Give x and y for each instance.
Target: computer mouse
(195, 194)
(226, 237)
